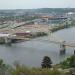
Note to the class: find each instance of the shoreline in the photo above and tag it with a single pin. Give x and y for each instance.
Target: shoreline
(42, 33)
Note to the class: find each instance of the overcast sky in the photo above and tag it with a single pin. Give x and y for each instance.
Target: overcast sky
(29, 4)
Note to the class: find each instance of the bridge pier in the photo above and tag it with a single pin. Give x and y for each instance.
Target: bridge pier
(7, 41)
(62, 48)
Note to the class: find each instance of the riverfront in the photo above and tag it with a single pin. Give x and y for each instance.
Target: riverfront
(31, 52)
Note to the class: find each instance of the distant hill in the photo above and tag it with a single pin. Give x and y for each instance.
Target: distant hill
(56, 10)
(39, 10)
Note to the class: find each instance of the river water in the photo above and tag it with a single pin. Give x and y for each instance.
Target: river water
(32, 52)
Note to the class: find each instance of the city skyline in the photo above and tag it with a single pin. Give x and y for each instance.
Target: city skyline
(33, 4)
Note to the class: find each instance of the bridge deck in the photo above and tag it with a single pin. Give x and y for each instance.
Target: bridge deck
(66, 44)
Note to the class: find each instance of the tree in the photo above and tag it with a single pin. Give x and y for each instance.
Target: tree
(72, 61)
(68, 63)
(46, 63)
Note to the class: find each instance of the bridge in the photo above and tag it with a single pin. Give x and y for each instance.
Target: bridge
(61, 42)
(56, 40)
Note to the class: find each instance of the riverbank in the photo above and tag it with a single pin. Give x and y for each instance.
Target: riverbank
(34, 31)
(62, 26)
(56, 28)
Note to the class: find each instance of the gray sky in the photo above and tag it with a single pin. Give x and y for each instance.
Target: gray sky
(29, 4)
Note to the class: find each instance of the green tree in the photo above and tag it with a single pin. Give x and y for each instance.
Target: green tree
(72, 61)
(4, 69)
(46, 63)
(68, 63)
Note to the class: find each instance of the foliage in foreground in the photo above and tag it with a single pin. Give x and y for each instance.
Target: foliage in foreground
(68, 63)
(47, 68)
(22, 70)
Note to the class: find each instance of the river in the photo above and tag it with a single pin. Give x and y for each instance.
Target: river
(32, 52)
